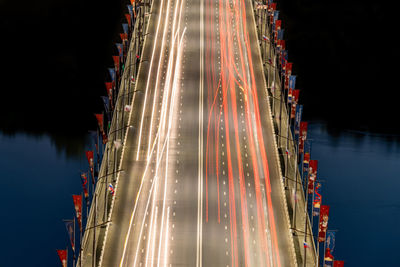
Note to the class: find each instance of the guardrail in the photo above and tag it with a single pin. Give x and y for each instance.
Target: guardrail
(102, 201)
(299, 218)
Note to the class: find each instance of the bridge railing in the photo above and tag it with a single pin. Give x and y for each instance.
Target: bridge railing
(287, 148)
(92, 243)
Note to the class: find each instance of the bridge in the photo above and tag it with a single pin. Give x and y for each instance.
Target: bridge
(200, 178)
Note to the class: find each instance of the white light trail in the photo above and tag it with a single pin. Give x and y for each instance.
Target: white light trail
(148, 80)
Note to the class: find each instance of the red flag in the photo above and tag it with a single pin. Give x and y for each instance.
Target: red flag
(89, 156)
(296, 94)
(85, 191)
(100, 121)
(303, 135)
(116, 65)
(328, 258)
(78, 209)
(62, 254)
(278, 24)
(312, 175)
(323, 223)
(128, 18)
(123, 36)
(282, 44)
(289, 68)
(109, 85)
(100, 118)
(338, 263)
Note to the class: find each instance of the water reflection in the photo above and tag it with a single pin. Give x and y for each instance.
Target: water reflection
(38, 176)
(70, 146)
(360, 173)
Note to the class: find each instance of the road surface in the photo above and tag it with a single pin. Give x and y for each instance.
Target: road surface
(201, 184)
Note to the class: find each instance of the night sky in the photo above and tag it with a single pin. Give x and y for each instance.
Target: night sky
(55, 56)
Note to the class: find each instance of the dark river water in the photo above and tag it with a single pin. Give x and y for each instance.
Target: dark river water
(360, 181)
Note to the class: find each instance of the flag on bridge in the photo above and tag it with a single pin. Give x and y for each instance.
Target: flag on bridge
(295, 100)
(292, 81)
(90, 159)
(130, 10)
(328, 258)
(106, 103)
(111, 71)
(95, 137)
(116, 63)
(323, 223)
(288, 68)
(272, 7)
(85, 191)
(280, 45)
(120, 48)
(313, 175)
(306, 161)
(265, 38)
(109, 88)
(284, 55)
(290, 96)
(111, 189)
(299, 111)
(280, 34)
(128, 19)
(70, 225)
(100, 122)
(330, 240)
(78, 209)
(306, 245)
(125, 27)
(278, 24)
(123, 36)
(317, 199)
(303, 136)
(62, 254)
(338, 263)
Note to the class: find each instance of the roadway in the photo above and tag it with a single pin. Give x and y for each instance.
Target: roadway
(201, 183)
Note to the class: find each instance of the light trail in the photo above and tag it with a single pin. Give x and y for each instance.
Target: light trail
(200, 146)
(148, 80)
(153, 241)
(166, 240)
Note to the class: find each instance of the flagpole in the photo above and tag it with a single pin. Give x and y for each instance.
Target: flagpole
(312, 204)
(280, 108)
(318, 259)
(66, 249)
(115, 150)
(87, 203)
(73, 249)
(295, 187)
(323, 261)
(80, 234)
(305, 230)
(94, 230)
(106, 178)
(287, 145)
